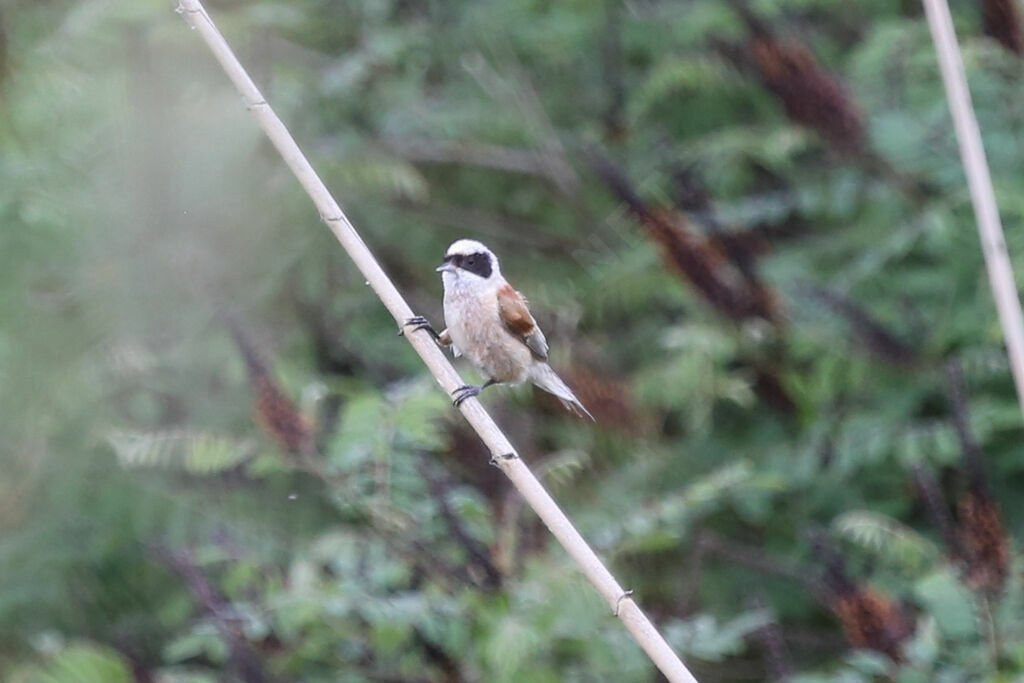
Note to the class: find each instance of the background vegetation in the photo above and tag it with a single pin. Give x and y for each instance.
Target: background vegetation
(744, 228)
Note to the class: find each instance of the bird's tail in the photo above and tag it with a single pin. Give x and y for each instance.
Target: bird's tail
(544, 377)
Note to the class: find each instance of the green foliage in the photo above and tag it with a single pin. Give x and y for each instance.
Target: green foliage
(82, 662)
(139, 203)
(704, 639)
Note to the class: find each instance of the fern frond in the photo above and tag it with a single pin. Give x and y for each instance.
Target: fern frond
(562, 467)
(387, 177)
(678, 75)
(190, 451)
(891, 540)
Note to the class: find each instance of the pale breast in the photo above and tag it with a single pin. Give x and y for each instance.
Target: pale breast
(471, 315)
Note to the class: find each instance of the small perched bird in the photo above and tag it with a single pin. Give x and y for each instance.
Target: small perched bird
(489, 323)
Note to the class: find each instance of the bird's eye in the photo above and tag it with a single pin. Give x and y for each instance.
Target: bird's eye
(471, 260)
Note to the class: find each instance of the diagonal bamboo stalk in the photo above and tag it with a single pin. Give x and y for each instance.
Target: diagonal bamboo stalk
(619, 600)
(983, 197)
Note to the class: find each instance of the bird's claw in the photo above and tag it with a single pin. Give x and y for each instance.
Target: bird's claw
(418, 322)
(464, 392)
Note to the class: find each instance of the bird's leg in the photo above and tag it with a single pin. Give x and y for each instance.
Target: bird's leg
(469, 391)
(418, 322)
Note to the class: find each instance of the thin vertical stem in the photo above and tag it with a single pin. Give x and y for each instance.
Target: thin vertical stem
(972, 154)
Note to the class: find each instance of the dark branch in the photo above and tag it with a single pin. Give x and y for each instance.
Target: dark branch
(1001, 21)
(974, 460)
(476, 550)
(762, 561)
(778, 663)
(874, 337)
(614, 117)
(242, 657)
(448, 665)
(937, 508)
(508, 159)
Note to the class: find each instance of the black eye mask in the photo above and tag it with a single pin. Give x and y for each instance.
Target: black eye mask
(478, 263)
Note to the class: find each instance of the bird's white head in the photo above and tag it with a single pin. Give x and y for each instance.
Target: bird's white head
(469, 262)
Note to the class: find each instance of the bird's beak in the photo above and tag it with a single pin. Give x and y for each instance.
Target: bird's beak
(446, 267)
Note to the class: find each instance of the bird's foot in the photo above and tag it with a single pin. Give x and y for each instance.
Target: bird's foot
(464, 392)
(418, 322)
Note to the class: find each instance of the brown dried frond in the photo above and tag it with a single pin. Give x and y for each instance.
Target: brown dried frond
(980, 533)
(279, 417)
(985, 544)
(872, 621)
(273, 410)
(1001, 21)
(608, 399)
(694, 259)
(692, 197)
(810, 95)
(869, 618)
(813, 97)
(700, 264)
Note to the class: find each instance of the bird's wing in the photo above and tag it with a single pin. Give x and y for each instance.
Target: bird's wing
(517, 319)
